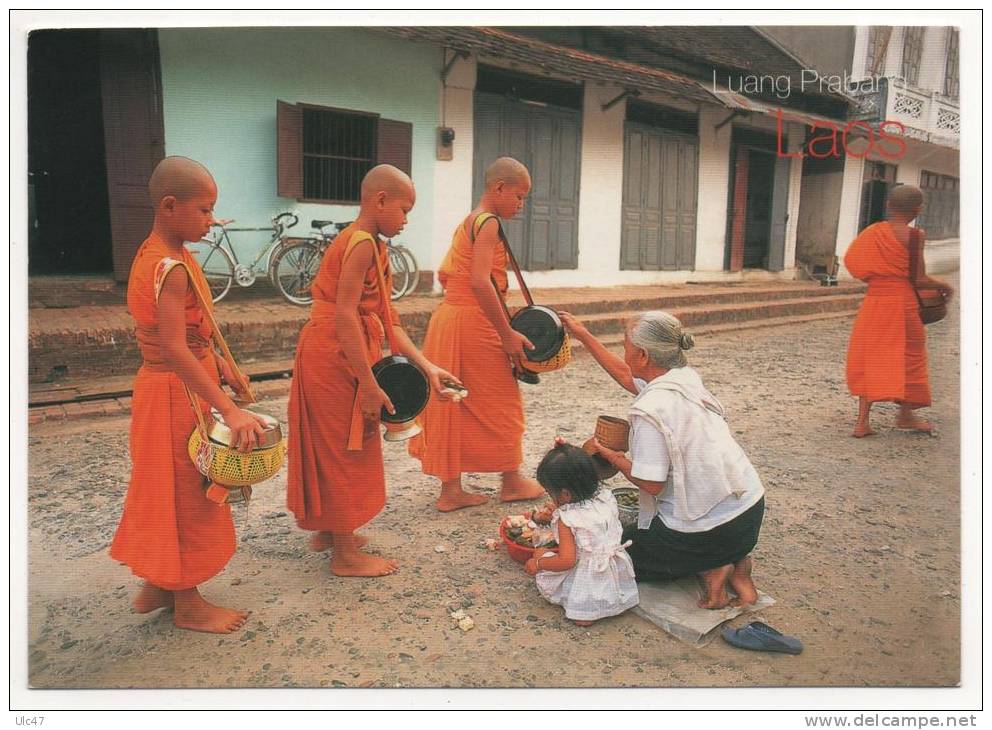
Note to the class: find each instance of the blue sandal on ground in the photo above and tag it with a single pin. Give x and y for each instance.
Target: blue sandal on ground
(758, 636)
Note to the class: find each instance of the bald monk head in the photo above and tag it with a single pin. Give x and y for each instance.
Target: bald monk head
(179, 177)
(507, 186)
(905, 201)
(509, 171)
(184, 194)
(387, 196)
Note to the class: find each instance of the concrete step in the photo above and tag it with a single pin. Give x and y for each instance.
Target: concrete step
(696, 317)
(615, 339)
(111, 396)
(73, 343)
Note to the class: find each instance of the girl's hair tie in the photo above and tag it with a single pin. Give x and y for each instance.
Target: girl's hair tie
(560, 441)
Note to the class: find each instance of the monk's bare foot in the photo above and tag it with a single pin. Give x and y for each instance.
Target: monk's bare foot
(914, 424)
(861, 430)
(740, 581)
(360, 564)
(323, 541)
(578, 622)
(151, 598)
(517, 488)
(454, 497)
(195, 613)
(714, 585)
(458, 500)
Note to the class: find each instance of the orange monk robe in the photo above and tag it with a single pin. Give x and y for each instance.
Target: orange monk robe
(483, 432)
(887, 355)
(170, 534)
(330, 486)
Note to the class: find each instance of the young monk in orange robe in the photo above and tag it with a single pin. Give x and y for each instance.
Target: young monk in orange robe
(470, 335)
(887, 355)
(170, 534)
(336, 482)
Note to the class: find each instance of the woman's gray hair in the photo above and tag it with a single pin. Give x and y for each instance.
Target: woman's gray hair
(661, 336)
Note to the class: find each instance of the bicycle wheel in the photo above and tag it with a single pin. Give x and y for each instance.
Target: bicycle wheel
(217, 265)
(401, 273)
(295, 267)
(412, 267)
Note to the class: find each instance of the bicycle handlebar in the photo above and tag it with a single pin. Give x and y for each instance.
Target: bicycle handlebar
(276, 220)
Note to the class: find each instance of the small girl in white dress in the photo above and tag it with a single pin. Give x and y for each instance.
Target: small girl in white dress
(592, 576)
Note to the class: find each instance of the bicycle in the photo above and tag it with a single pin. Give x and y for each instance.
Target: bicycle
(404, 267)
(219, 260)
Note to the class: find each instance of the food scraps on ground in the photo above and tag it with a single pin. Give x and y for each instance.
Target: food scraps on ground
(464, 621)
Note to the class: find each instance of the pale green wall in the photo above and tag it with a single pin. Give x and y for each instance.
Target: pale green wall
(220, 87)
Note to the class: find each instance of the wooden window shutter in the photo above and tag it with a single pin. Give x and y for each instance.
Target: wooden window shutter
(394, 144)
(289, 150)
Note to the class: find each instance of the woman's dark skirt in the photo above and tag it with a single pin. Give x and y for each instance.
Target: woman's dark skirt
(660, 553)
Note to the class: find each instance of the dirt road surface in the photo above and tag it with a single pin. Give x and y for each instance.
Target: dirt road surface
(860, 547)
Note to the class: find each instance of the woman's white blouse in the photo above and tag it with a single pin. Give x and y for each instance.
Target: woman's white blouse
(687, 422)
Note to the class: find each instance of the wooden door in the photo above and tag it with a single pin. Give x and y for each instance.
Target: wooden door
(134, 135)
(659, 199)
(547, 140)
(779, 214)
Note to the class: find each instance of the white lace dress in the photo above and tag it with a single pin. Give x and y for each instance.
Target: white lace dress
(601, 583)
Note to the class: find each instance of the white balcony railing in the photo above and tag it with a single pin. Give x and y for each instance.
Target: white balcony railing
(926, 115)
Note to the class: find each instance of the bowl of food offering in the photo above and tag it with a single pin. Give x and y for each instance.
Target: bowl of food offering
(528, 535)
(627, 502)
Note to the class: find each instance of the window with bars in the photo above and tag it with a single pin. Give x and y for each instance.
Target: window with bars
(323, 153)
(338, 149)
(951, 73)
(941, 205)
(912, 53)
(878, 41)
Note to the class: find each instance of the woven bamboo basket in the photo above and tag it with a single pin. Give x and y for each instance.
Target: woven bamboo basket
(613, 433)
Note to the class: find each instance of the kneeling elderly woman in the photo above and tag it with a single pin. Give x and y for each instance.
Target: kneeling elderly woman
(701, 501)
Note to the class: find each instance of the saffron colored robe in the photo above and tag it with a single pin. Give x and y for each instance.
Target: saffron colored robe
(483, 432)
(334, 485)
(170, 534)
(887, 355)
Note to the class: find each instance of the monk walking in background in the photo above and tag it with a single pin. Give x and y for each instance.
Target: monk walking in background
(470, 335)
(887, 355)
(170, 534)
(336, 482)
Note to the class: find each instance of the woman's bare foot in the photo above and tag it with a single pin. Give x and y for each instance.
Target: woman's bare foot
(517, 488)
(151, 598)
(861, 430)
(454, 497)
(349, 561)
(195, 613)
(740, 581)
(714, 585)
(579, 622)
(323, 541)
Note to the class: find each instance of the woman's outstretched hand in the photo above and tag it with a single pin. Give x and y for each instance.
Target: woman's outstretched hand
(572, 325)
